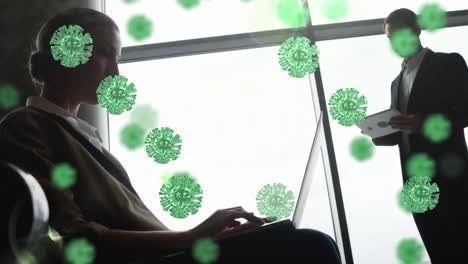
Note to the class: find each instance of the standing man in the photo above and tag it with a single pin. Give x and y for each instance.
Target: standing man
(433, 83)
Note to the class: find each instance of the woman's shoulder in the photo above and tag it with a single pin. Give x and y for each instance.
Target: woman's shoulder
(25, 118)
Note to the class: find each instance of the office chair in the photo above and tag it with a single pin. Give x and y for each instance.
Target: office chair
(24, 221)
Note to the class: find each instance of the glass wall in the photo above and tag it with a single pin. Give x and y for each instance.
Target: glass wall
(244, 123)
(375, 221)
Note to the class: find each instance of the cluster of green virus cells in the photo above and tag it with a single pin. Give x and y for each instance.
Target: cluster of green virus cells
(205, 251)
(410, 251)
(80, 251)
(298, 57)
(71, 46)
(9, 96)
(181, 195)
(142, 119)
(348, 107)
(405, 42)
(275, 201)
(63, 176)
(419, 194)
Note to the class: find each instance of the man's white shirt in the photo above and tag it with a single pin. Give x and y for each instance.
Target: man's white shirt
(410, 70)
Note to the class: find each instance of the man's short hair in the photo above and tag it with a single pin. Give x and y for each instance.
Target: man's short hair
(402, 16)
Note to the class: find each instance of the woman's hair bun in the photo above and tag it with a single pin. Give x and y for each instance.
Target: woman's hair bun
(39, 66)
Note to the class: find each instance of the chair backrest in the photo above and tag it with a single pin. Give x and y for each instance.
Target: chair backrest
(25, 211)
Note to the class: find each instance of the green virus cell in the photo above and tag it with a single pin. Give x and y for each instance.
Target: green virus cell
(362, 148)
(140, 27)
(188, 4)
(63, 176)
(79, 251)
(162, 145)
(404, 42)
(132, 136)
(145, 116)
(274, 200)
(334, 9)
(452, 165)
(205, 251)
(292, 13)
(9, 96)
(347, 106)
(116, 94)
(419, 195)
(70, 46)
(432, 17)
(298, 57)
(410, 251)
(181, 195)
(420, 165)
(437, 128)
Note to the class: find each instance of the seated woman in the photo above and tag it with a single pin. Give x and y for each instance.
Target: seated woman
(102, 205)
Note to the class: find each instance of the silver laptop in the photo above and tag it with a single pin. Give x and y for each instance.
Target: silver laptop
(306, 181)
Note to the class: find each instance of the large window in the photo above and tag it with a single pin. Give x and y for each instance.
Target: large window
(375, 221)
(244, 123)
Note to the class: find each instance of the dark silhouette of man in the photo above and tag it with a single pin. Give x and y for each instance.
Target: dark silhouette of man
(433, 83)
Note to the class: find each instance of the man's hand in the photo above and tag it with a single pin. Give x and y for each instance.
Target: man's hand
(223, 223)
(410, 124)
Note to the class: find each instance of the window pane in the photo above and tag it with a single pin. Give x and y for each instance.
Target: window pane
(371, 9)
(244, 123)
(375, 221)
(171, 22)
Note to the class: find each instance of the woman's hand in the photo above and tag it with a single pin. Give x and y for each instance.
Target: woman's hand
(223, 223)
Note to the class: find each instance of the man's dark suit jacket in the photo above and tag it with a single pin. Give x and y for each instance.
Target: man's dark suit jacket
(440, 86)
(102, 198)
